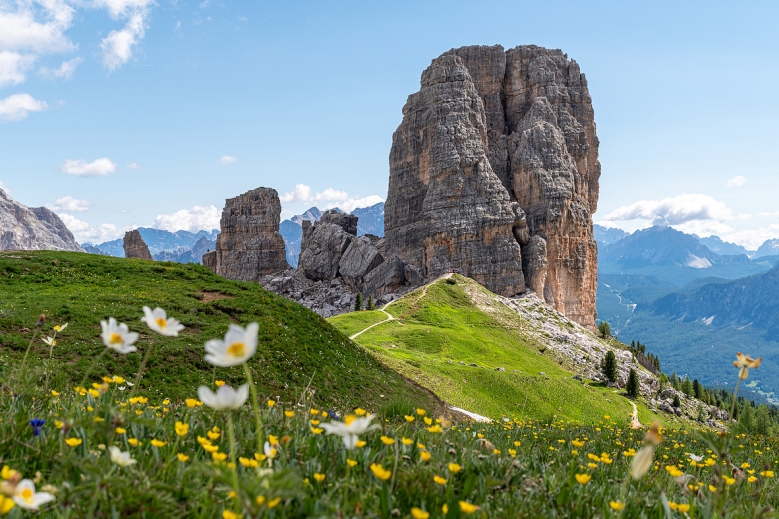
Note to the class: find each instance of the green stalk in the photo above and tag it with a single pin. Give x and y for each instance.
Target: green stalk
(48, 368)
(236, 489)
(92, 366)
(255, 404)
(138, 377)
(29, 347)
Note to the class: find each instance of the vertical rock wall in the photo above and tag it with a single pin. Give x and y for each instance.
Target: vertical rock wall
(250, 245)
(498, 141)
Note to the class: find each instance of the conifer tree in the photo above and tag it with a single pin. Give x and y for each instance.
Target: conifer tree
(609, 366)
(370, 305)
(358, 302)
(632, 386)
(677, 402)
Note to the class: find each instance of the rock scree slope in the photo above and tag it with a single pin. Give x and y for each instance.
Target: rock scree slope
(497, 147)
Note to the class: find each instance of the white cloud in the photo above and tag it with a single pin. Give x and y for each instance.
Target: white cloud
(96, 168)
(752, 239)
(68, 204)
(122, 8)
(355, 203)
(196, 219)
(673, 211)
(302, 193)
(19, 106)
(737, 181)
(13, 67)
(335, 197)
(133, 165)
(118, 45)
(36, 27)
(228, 159)
(769, 215)
(65, 71)
(85, 232)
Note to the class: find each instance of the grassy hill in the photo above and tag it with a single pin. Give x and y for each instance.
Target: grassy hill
(441, 331)
(295, 345)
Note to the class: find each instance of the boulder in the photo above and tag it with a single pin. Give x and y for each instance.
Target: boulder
(360, 258)
(325, 245)
(135, 247)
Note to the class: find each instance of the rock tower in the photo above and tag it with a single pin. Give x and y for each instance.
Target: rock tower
(497, 158)
(135, 247)
(250, 245)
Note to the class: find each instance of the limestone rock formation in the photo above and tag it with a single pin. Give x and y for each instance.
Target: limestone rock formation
(32, 228)
(135, 247)
(249, 245)
(497, 147)
(359, 259)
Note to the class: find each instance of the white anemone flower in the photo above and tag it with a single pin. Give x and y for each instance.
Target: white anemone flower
(696, 458)
(158, 321)
(350, 429)
(122, 459)
(225, 397)
(25, 495)
(118, 337)
(237, 347)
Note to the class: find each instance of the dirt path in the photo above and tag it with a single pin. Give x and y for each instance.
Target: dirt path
(389, 316)
(634, 423)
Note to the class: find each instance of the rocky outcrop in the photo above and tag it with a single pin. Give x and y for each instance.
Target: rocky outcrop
(135, 247)
(37, 228)
(497, 147)
(249, 245)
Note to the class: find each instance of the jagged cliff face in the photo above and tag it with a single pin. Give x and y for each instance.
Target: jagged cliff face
(250, 245)
(446, 209)
(37, 228)
(496, 147)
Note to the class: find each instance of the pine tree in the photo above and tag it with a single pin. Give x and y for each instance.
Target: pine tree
(604, 330)
(609, 366)
(358, 302)
(696, 389)
(677, 402)
(370, 305)
(687, 386)
(632, 386)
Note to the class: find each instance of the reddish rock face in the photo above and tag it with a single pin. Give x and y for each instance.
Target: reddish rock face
(498, 147)
(250, 245)
(135, 247)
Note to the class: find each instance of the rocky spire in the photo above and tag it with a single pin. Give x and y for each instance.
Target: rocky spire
(498, 141)
(135, 247)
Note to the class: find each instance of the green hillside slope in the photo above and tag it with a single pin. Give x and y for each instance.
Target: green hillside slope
(439, 333)
(295, 345)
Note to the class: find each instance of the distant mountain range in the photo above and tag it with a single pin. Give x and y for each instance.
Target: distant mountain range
(370, 221)
(179, 246)
(693, 303)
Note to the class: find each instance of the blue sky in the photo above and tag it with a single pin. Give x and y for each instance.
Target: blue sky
(121, 113)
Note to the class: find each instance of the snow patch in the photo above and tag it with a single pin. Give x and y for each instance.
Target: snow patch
(477, 417)
(708, 320)
(698, 263)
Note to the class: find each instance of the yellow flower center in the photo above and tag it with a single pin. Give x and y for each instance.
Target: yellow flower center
(115, 338)
(162, 323)
(348, 419)
(236, 349)
(27, 495)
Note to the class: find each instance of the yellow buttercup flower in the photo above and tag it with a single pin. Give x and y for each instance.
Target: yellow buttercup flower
(424, 456)
(712, 488)
(683, 507)
(157, 443)
(273, 502)
(439, 480)
(616, 505)
(360, 411)
(319, 477)
(351, 463)
(582, 479)
(421, 412)
(249, 462)
(409, 418)
(213, 435)
(289, 414)
(134, 442)
(407, 441)
(54, 393)
(191, 402)
(467, 507)
(182, 428)
(227, 514)
(380, 472)
(387, 441)
(271, 403)
(6, 504)
(73, 442)
(454, 468)
(360, 444)
(219, 456)
(767, 473)
(316, 430)
(182, 457)
(120, 430)
(418, 513)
